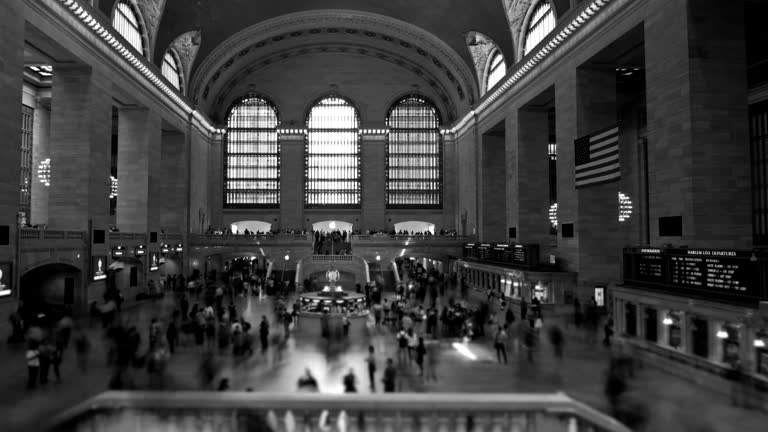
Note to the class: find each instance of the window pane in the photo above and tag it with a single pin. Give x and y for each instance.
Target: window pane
(252, 156)
(27, 116)
(332, 155)
(496, 71)
(127, 24)
(171, 70)
(414, 155)
(542, 23)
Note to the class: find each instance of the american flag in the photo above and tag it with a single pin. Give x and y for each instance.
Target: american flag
(597, 158)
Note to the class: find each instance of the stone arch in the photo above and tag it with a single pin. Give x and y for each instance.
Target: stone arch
(481, 48)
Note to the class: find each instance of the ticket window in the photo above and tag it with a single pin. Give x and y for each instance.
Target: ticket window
(761, 352)
(672, 321)
(541, 291)
(630, 319)
(730, 339)
(651, 324)
(700, 337)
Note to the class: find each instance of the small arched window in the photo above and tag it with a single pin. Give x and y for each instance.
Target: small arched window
(414, 155)
(172, 70)
(496, 70)
(252, 156)
(126, 21)
(542, 21)
(332, 155)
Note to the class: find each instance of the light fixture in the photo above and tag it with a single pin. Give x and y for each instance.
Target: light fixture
(287, 257)
(113, 187)
(553, 215)
(722, 333)
(118, 251)
(44, 172)
(378, 257)
(164, 248)
(179, 247)
(667, 321)
(625, 207)
(759, 343)
(140, 250)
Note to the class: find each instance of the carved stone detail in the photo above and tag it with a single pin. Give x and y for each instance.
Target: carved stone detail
(516, 11)
(152, 11)
(480, 48)
(186, 46)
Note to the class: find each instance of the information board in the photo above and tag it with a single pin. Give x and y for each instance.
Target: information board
(650, 266)
(729, 272)
(520, 255)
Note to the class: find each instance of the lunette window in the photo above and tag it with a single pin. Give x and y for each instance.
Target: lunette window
(414, 155)
(171, 69)
(126, 22)
(332, 155)
(496, 70)
(252, 155)
(542, 22)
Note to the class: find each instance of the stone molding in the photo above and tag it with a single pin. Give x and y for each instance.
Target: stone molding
(186, 47)
(480, 48)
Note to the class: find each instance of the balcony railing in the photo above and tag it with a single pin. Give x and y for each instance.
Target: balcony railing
(127, 236)
(374, 238)
(402, 412)
(251, 239)
(44, 234)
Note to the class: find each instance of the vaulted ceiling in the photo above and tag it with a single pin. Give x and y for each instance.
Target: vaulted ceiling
(239, 39)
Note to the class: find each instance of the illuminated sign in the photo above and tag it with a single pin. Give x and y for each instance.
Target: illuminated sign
(140, 250)
(6, 280)
(99, 266)
(153, 263)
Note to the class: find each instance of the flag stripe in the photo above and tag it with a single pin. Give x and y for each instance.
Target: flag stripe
(599, 181)
(612, 157)
(597, 157)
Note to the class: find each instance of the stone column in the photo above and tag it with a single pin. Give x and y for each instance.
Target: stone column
(139, 170)
(493, 188)
(597, 225)
(698, 146)
(567, 205)
(528, 175)
(292, 181)
(172, 188)
(11, 73)
(467, 184)
(81, 119)
(40, 151)
(373, 206)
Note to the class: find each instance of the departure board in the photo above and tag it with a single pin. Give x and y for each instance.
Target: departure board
(719, 272)
(729, 272)
(520, 255)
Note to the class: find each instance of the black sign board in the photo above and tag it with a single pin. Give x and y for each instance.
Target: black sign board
(520, 255)
(723, 273)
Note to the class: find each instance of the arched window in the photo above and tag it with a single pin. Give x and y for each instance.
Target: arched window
(252, 156)
(496, 70)
(414, 155)
(542, 22)
(126, 21)
(172, 69)
(332, 155)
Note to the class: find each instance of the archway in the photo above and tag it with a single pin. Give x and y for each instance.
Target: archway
(252, 226)
(331, 225)
(50, 289)
(410, 227)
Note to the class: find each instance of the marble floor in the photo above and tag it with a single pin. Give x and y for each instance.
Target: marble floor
(672, 403)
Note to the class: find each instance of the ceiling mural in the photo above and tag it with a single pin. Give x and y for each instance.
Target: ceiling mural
(152, 11)
(187, 46)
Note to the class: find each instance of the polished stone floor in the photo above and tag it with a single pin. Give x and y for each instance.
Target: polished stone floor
(673, 404)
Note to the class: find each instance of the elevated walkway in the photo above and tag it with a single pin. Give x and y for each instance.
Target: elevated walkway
(402, 412)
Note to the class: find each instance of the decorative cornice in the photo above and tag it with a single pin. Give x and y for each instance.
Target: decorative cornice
(368, 25)
(114, 42)
(562, 33)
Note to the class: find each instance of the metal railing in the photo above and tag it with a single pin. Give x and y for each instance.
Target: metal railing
(404, 237)
(45, 234)
(235, 411)
(242, 239)
(127, 236)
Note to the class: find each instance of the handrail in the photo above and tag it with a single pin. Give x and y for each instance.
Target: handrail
(47, 234)
(411, 403)
(243, 238)
(407, 237)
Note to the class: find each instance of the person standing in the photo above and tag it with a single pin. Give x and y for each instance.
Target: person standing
(523, 309)
(350, 382)
(371, 360)
(172, 335)
(431, 365)
(390, 375)
(33, 365)
(499, 344)
(45, 354)
(421, 351)
(264, 334)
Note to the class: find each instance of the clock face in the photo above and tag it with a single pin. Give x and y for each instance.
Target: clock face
(332, 275)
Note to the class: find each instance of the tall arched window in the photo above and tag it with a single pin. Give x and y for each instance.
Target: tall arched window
(496, 70)
(332, 155)
(542, 22)
(172, 69)
(126, 21)
(414, 155)
(252, 155)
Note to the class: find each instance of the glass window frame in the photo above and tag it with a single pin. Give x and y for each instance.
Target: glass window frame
(126, 18)
(171, 70)
(492, 77)
(271, 196)
(316, 197)
(417, 174)
(541, 23)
